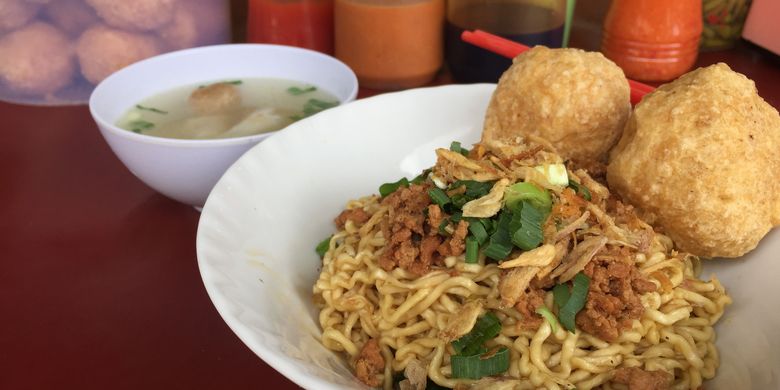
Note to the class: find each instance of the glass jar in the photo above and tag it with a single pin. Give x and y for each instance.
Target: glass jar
(390, 44)
(653, 40)
(302, 23)
(723, 22)
(532, 22)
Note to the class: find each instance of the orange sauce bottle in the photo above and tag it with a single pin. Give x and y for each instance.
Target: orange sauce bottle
(390, 44)
(302, 23)
(653, 40)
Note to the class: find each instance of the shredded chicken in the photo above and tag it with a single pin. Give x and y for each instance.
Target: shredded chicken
(538, 257)
(461, 322)
(488, 205)
(416, 376)
(513, 283)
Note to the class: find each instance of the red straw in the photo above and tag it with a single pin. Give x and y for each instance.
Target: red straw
(512, 49)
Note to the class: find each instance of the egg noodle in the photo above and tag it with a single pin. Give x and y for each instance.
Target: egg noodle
(407, 313)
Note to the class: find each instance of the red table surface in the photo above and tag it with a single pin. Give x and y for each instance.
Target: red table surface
(99, 285)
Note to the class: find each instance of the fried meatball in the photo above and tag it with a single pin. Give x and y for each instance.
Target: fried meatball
(139, 15)
(577, 100)
(37, 59)
(102, 51)
(702, 155)
(16, 13)
(72, 16)
(182, 32)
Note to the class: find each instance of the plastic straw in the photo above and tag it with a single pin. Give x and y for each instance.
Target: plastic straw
(570, 4)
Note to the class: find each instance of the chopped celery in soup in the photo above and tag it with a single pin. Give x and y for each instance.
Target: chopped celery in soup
(226, 109)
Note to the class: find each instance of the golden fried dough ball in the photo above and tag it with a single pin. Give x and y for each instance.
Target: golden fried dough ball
(140, 15)
(702, 154)
(102, 50)
(182, 32)
(577, 100)
(37, 59)
(72, 16)
(215, 98)
(16, 13)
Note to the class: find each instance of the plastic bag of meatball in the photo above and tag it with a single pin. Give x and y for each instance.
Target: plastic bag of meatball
(54, 52)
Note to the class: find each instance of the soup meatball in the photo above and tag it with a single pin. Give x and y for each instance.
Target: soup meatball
(577, 100)
(16, 13)
(215, 98)
(139, 15)
(72, 16)
(37, 59)
(700, 154)
(102, 50)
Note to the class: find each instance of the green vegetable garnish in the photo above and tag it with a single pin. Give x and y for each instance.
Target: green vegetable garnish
(580, 190)
(560, 295)
(455, 147)
(478, 230)
(487, 327)
(295, 91)
(323, 246)
(549, 316)
(152, 109)
(389, 188)
(313, 106)
(477, 366)
(233, 82)
(438, 196)
(472, 250)
(575, 303)
(525, 191)
(474, 189)
(421, 177)
(140, 125)
(500, 244)
(529, 234)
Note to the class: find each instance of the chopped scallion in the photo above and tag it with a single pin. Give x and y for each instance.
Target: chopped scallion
(421, 177)
(478, 366)
(580, 190)
(560, 295)
(474, 189)
(575, 303)
(500, 243)
(323, 246)
(140, 125)
(529, 235)
(487, 327)
(526, 191)
(295, 91)
(152, 109)
(438, 196)
(549, 316)
(472, 250)
(455, 147)
(389, 188)
(477, 229)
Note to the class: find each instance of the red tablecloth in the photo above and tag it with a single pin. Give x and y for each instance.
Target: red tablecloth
(99, 285)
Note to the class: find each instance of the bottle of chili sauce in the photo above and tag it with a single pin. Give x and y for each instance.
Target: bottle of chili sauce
(302, 23)
(653, 40)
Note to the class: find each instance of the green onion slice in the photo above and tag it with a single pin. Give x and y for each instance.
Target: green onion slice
(295, 91)
(389, 188)
(575, 303)
(529, 192)
(561, 295)
(472, 250)
(549, 316)
(438, 196)
(323, 246)
(421, 177)
(478, 366)
(152, 109)
(487, 327)
(474, 189)
(580, 190)
(500, 243)
(478, 230)
(529, 235)
(455, 147)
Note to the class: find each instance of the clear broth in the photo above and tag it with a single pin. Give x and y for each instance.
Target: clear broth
(265, 105)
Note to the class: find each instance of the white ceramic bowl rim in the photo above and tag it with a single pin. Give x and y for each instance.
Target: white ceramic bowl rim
(105, 85)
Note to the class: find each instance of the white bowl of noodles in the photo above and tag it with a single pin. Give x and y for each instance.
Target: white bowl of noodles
(261, 222)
